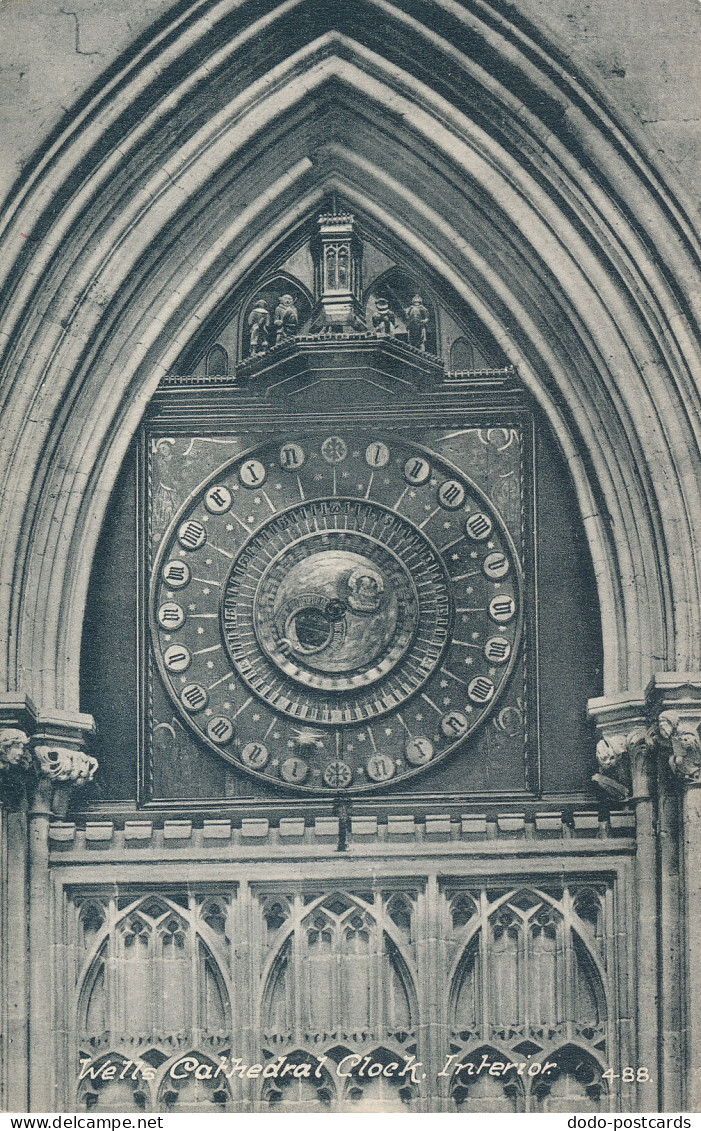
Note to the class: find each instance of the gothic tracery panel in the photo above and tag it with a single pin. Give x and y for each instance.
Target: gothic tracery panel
(340, 975)
(154, 974)
(529, 979)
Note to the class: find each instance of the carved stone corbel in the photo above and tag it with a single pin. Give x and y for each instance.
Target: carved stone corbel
(59, 770)
(669, 736)
(61, 764)
(628, 755)
(613, 778)
(626, 747)
(676, 699)
(620, 756)
(38, 771)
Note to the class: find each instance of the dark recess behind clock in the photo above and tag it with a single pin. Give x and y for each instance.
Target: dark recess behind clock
(109, 657)
(570, 649)
(570, 657)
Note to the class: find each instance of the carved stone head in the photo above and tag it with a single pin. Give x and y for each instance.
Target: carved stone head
(667, 723)
(61, 764)
(14, 749)
(689, 740)
(609, 751)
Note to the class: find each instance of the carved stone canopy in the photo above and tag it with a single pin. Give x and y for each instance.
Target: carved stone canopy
(311, 358)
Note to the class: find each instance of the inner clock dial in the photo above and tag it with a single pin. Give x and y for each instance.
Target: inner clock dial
(334, 612)
(321, 596)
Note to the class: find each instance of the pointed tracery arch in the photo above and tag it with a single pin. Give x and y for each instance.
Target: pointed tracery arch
(527, 982)
(154, 974)
(341, 971)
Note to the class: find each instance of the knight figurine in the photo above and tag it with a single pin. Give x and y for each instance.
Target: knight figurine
(258, 324)
(416, 322)
(286, 319)
(383, 319)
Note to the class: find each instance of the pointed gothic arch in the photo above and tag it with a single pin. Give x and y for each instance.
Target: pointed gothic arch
(154, 973)
(521, 966)
(339, 970)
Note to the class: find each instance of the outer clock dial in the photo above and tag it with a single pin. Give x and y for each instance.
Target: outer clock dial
(336, 611)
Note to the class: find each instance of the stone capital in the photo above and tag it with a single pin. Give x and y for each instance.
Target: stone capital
(624, 749)
(41, 755)
(638, 731)
(675, 699)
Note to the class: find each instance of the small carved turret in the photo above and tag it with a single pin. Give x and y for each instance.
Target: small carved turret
(338, 279)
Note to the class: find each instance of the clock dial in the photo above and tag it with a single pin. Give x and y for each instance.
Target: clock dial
(336, 611)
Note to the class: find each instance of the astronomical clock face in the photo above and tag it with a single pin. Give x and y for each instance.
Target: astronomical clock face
(336, 611)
